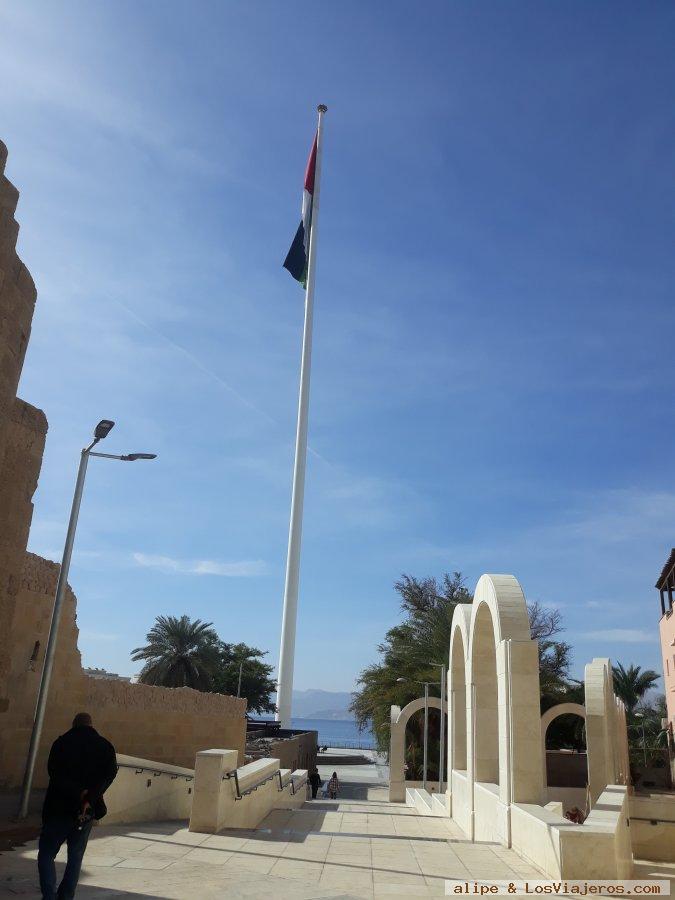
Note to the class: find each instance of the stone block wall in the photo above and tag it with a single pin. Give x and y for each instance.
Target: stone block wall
(162, 724)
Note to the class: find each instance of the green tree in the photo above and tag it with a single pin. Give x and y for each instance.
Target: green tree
(631, 684)
(179, 653)
(408, 650)
(423, 638)
(257, 685)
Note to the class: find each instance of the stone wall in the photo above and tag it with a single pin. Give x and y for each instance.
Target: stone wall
(162, 724)
(22, 429)
(297, 751)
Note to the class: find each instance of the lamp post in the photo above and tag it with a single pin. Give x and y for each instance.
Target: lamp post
(443, 669)
(641, 716)
(426, 721)
(242, 663)
(101, 431)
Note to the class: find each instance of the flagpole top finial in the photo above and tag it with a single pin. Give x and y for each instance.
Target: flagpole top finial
(322, 108)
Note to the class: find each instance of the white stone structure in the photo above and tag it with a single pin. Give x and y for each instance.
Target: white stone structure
(399, 721)
(229, 797)
(496, 779)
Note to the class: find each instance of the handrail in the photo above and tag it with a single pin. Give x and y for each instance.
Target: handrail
(239, 795)
(652, 820)
(294, 788)
(283, 784)
(155, 770)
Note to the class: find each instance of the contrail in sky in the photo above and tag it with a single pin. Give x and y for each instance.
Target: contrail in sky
(221, 381)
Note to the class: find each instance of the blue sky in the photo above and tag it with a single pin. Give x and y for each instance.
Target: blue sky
(493, 378)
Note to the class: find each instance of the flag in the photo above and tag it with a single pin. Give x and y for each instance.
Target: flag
(298, 256)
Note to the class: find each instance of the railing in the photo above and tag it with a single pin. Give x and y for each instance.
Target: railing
(284, 784)
(348, 745)
(295, 788)
(652, 821)
(155, 771)
(239, 794)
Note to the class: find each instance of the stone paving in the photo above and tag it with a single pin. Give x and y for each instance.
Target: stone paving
(348, 848)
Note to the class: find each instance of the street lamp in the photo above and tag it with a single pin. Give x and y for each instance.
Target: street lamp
(100, 432)
(426, 721)
(443, 669)
(641, 716)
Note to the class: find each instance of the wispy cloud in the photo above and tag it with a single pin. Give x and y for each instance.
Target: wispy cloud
(246, 568)
(623, 635)
(87, 635)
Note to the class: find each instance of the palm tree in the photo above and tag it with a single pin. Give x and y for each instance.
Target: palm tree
(179, 653)
(631, 684)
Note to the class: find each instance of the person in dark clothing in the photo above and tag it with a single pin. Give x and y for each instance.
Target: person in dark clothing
(315, 782)
(82, 765)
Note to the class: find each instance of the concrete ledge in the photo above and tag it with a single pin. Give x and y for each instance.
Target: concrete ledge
(229, 797)
(600, 848)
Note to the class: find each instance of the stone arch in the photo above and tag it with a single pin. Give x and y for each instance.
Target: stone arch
(499, 621)
(398, 720)
(504, 596)
(560, 709)
(575, 793)
(486, 696)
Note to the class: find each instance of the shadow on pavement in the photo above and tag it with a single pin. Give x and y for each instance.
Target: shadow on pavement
(19, 878)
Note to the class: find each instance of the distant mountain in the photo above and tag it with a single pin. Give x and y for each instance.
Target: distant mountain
(337, 715)
(315, 704)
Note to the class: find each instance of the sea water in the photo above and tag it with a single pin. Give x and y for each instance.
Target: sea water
(336, 731)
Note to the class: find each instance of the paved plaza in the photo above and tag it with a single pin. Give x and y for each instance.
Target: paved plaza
(359, 846)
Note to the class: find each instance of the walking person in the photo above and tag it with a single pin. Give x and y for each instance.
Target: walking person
(82, 765)
(315, 782)
(333, 786)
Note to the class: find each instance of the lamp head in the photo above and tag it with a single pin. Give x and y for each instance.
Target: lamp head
(103, 429)
(132, 457)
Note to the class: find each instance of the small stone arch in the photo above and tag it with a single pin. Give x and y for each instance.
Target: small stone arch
(561, 709)
(398, 722)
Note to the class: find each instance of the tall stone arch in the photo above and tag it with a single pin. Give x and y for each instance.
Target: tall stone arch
(504, 758)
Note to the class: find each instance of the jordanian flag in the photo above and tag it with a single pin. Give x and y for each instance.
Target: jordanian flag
(298, 256)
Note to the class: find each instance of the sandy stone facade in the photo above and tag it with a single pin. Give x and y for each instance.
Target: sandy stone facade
(162, 724)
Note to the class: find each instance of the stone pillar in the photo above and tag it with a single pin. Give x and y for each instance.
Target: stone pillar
(527, 762)
(396, 758)
(210, 767)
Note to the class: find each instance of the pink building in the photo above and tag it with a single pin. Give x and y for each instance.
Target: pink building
(666, 586)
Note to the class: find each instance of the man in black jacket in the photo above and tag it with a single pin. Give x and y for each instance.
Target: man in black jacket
(82, 766)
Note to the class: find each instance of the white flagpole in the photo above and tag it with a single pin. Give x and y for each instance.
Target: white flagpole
(287, 650)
